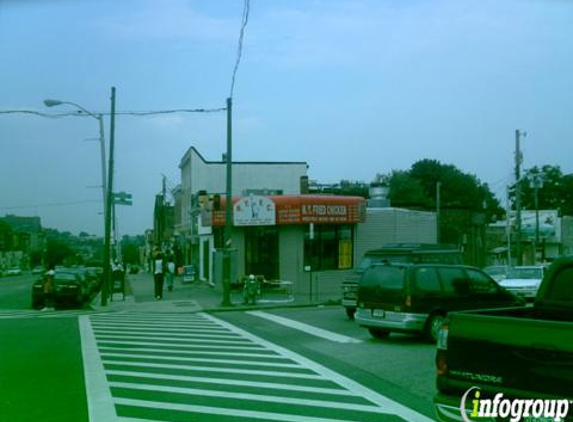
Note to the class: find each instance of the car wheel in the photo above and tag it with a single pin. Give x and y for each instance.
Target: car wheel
(378, 333)
(350, 313)
(433, 326)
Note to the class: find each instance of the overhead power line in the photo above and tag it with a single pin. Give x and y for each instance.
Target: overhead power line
(125, 113)
(53, 204)
(245, 20)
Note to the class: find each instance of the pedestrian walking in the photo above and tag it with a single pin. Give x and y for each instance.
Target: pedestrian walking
(159, 269)
(48, 289)
(170, 272)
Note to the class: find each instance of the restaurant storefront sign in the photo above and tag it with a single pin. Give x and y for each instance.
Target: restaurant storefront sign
(293, 209)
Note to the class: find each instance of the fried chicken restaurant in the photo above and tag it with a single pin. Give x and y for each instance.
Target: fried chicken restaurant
(306, 240)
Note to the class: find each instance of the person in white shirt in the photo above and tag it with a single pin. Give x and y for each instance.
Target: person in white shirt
(170, 272)
(158, 274)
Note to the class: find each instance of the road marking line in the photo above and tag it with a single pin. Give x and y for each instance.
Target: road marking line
(215, 369)
(247, 346)
(194, 327)
(174, 332)
(389, 405)
(222, 381)
(267, 355)
(204, 360)
(252, 397)
(235, 413)
(100, 404)
(309, 329)
(155, 318)
(187, 339)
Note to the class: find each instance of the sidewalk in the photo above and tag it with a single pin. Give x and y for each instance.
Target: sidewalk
(188, 297)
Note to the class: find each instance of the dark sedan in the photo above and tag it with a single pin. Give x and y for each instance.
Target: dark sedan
(69, 288)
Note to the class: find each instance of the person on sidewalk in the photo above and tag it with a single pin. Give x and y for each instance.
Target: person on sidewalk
(170, 272)
(159, 269)
(48, 288)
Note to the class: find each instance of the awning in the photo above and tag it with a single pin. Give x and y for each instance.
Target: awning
(257, 210)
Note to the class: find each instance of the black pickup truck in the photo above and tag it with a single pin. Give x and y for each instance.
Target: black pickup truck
(510, 364)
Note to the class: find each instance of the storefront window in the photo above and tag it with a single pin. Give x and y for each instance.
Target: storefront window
(330, 249)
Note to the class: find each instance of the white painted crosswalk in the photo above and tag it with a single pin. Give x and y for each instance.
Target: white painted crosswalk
(196, 367)
(60, 313)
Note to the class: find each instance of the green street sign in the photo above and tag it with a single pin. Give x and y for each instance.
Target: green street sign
(122, 198)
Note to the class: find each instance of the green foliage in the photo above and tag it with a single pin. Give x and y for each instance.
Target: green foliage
(417, 188)
(130, 253)
(555, 194)
(58, 253)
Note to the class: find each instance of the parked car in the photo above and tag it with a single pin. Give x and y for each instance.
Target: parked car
(415, 298)
(38, 270)
(13, 271)
(69, 288)
(524, 281)
(94, 276)
(521, 353)
(497, 272)
(396, 252)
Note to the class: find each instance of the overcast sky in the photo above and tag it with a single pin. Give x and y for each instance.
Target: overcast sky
(353, 88)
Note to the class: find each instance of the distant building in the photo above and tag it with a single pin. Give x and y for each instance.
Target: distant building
(554, 234)
(279, 231)
(204, 182)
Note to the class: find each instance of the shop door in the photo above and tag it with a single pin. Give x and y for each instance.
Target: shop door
(262, 252)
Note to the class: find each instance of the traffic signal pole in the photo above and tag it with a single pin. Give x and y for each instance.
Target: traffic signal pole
(108, 205)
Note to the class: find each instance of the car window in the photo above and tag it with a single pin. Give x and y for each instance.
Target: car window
(387, 277)
(526, 273)
(454, 280)
(480, 283)
(427, 280)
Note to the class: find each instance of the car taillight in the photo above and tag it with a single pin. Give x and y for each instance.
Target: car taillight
(441, 363)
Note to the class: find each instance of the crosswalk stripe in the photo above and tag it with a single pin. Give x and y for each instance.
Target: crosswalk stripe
(389, 405)
(159, 337)
(173, 332)
(203, 360)
(309, 329)
(265, 355)
(161, 325)
(246, 396)
(243, 383)
(246, 346)
(213, 369)
(236, 413)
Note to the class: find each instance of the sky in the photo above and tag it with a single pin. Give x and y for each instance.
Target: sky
(353, 88)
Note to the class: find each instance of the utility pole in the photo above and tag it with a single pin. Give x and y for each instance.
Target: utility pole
(108, 205)
(518, 162)
(228, 209)
(438, 187)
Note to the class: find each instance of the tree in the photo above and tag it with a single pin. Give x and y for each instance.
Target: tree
(556, 192)
(466, 204)
(58, 253)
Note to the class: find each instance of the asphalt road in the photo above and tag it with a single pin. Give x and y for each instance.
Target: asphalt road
(401, 367)
(186, 366)
(16, 291)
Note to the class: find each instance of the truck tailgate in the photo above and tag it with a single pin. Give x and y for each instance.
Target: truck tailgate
(510, 354)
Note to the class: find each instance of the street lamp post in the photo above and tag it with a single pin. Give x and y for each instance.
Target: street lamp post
(106, 194)
(99, 117)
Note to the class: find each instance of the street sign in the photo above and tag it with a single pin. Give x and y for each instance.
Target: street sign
(122, 198)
